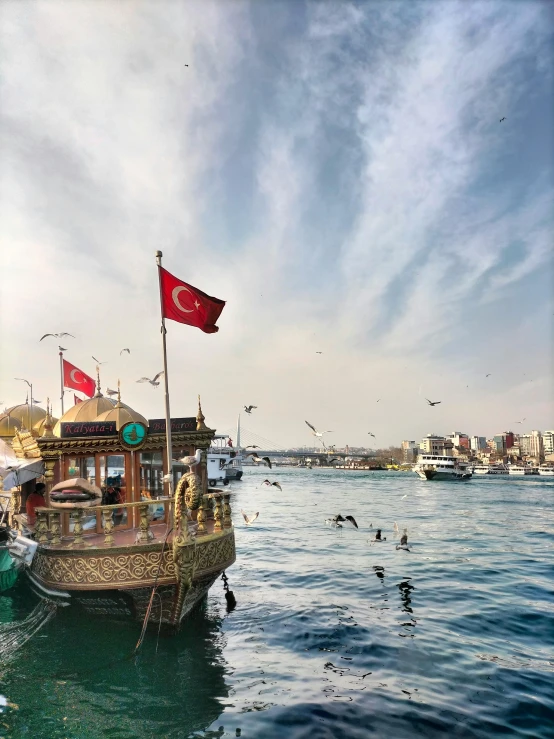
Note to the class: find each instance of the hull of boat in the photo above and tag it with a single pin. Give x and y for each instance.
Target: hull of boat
(232, 474)
(429, 474)
(546, 473)
(119, 582)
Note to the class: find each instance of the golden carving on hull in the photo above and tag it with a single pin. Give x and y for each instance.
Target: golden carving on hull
(93, 570)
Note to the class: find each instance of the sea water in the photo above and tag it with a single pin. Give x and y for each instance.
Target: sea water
(333, 635)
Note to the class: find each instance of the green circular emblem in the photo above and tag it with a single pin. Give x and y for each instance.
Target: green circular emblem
(132, 435)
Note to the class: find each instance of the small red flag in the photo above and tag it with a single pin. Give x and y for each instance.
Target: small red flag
(76, 399)
(76, 379)
(184, 303)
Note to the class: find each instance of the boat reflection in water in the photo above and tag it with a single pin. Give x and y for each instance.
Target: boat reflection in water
(82, 679)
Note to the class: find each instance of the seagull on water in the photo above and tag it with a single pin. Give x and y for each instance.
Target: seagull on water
(403, 541)
(154, 381)
(250, 408)
(250, 519)
(378, 536)
(259, 460)
(58, 336)
(338, 520)
(433, 402)
(268, 482)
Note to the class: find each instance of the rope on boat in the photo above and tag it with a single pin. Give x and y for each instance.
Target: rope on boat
(151, 601)
(229, 595)
(15, 634)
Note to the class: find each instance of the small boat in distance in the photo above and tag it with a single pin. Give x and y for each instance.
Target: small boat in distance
(546, 470)
(442, 467)
(490, 469)
(522, 469)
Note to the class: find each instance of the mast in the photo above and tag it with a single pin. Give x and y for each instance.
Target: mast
(61, 379)
(166, 383)
(238, 434)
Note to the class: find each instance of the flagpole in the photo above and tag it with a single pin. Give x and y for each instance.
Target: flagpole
(61, 379)
(166, 382)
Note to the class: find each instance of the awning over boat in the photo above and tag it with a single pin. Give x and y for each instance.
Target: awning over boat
(21, 471)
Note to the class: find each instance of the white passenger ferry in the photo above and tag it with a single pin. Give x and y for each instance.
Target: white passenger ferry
(437, 467)
(523, 469)
(546, 471)
(490, 469)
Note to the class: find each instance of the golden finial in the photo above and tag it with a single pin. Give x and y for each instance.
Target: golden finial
(200, 425)
(98, 390)
(48, 421)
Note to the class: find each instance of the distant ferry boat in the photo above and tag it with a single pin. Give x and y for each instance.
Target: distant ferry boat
(435, 467)
(522, 469)
(546, 471)
(490, 469)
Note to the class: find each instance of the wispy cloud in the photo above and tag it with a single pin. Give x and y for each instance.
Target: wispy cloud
(336, 171)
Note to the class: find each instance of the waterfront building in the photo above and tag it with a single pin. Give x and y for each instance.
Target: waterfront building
(409, 451)
(548, 442)
(433, 444)
(477, 443)
(532, 445)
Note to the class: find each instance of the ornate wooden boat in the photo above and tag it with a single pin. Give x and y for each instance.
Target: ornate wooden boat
(144, 555)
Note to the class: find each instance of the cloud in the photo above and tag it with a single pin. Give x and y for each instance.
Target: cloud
(336, 171)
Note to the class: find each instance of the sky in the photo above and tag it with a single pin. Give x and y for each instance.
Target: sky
(337, 172)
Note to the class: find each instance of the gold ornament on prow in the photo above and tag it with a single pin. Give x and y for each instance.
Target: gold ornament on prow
(48, 424)
(200, 425)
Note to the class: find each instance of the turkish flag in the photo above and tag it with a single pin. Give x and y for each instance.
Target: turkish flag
(76, 399)
(186, 304)
(76, 379)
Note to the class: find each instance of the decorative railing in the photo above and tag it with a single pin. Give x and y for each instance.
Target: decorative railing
(53, 525)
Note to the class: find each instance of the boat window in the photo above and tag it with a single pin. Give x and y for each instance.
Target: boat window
(151, 475)
(82, 467)
(113, 485)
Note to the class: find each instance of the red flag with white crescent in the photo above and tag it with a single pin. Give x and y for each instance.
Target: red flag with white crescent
(76, 399)
(76, 379)
(184, 303)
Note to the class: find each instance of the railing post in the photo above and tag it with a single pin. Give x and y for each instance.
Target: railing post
(77, 515)
(218, 514)
(15, 505)
(42, 525)
(107, 524)
(201, 516)
(55, 527)
(227, 520)
(145, 535)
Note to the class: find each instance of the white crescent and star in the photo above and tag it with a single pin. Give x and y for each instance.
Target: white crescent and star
(175, 297)
(75, 380)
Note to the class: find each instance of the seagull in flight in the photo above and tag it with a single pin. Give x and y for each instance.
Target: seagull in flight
(124, 350)
(338, 520)
(319, 352)
(277, 485)
(317, 433)
(252, 446)
(62, 348)
(502, 119)
(154, 381)
(58, 336)
(258, 460)
(370, 434)
(522, 420)
(488, 374)
(98, 361)
(433, 402)
(378, 401)
(111, 392)
(249, 408)
(250, 519)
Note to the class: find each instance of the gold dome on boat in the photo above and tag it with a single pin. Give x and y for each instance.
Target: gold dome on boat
(20, 416)
(122, 414)
(88, 410)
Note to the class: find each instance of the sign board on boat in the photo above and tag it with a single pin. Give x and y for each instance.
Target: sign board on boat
(88, 428)
(178, 425)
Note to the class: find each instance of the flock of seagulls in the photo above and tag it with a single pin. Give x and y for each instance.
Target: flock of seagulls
(338, 520)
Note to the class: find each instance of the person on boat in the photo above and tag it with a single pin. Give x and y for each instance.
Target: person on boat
(35, 500)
